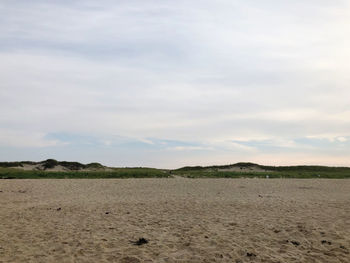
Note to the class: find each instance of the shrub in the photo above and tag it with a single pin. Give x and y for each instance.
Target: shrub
(49, 163)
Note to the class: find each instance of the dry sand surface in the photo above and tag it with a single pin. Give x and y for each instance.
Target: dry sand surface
(184, 220)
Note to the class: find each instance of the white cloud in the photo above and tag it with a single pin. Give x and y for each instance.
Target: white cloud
(18, 139)
(342, 139)
(188, 148)
(203, 72)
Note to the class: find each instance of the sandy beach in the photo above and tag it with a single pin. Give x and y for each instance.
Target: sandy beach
(183, 220)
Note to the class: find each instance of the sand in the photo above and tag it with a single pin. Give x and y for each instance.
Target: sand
(34, 167)
(184, 220)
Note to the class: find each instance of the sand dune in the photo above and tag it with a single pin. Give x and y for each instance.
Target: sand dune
(184, 220)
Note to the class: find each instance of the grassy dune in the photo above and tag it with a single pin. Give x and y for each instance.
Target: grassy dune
(274, 174)
(10, 170)
(11, 173)
(266, 171)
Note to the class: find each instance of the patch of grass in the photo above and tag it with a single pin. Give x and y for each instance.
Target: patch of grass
(94, 166)
(52, 163)
(99, 171)
(49, 163)
(10, 164)
(10, 173)
(297, 172)
(72, 165)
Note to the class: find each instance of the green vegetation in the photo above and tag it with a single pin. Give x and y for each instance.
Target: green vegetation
(52, 163)
(275, 174)
(49, 163)
(96, 170)
(250, 170)
(10, 164)
(94, 166)
(10, 173)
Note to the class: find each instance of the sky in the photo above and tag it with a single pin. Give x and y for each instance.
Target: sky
(166, 84)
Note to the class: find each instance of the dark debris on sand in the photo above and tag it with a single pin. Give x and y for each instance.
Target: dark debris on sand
(295, 243)
(250, 254)
(140, 242)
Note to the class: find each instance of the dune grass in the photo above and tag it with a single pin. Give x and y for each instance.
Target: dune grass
(290, 174)
(245, 170)
(302, 172)
(10, 173)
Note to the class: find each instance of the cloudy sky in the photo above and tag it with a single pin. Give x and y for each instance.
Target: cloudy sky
(171, 83)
